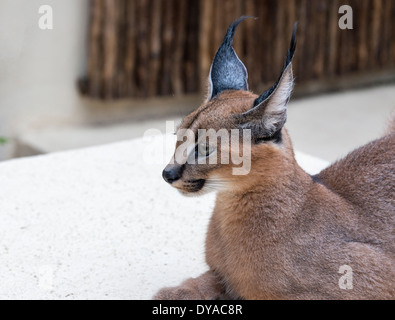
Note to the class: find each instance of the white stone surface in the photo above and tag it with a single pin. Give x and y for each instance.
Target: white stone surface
(99, 223)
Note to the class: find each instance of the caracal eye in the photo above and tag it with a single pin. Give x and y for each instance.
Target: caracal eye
(204, 149)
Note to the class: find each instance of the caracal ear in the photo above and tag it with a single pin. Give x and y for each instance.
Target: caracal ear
(227, 72)
(269, 112)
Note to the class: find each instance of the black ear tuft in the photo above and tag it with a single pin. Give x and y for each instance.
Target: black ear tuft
(227, 71)
(292, 46)
(288, 61)
(269, 112)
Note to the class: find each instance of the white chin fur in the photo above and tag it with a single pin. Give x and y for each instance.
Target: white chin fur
(211, 185)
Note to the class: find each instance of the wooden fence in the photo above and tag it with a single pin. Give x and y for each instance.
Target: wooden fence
(142, 48)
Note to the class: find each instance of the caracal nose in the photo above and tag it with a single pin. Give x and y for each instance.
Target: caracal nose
(172, 172)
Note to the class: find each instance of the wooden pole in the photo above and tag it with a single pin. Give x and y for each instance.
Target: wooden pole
(206, 17)
(155, 47)
(180, 31)
(95, 57)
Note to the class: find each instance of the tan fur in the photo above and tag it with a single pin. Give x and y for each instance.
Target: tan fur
(276, 233)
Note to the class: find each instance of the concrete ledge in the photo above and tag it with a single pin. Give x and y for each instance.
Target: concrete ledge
(99, 223)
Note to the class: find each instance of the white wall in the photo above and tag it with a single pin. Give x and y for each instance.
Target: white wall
(39, 68)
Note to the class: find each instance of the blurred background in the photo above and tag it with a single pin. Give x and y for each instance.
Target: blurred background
(110, 69)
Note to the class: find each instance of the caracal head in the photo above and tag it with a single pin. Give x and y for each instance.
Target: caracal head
(235, 137)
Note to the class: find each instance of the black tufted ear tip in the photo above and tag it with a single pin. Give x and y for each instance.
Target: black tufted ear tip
(288, 61)
(228, 40)
(292, 46)
(227, 71)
